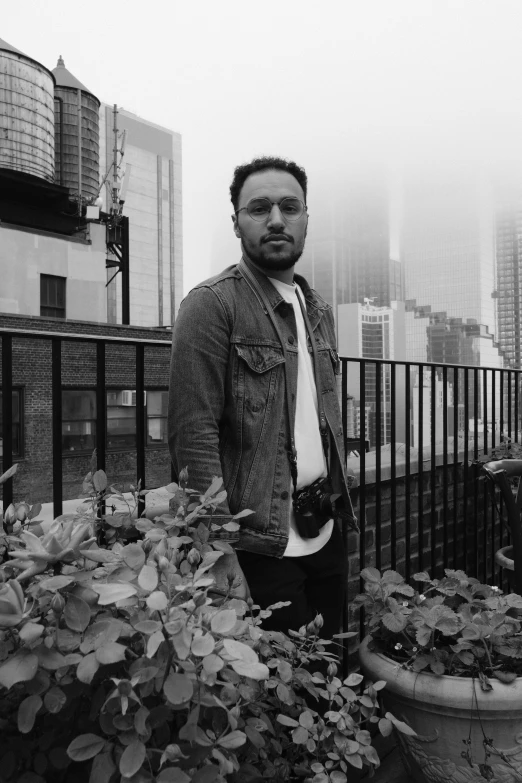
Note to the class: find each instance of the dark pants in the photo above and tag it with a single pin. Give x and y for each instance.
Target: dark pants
(315, 584)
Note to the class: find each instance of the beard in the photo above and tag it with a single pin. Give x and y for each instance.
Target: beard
(270, 259)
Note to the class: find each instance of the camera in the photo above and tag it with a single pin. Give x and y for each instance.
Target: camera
(314, 506)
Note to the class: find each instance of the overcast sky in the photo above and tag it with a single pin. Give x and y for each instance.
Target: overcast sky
(395, 82)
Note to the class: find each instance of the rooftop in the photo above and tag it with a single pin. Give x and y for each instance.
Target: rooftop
(64, 77)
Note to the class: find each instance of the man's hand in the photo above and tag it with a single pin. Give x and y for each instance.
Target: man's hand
(230, 579)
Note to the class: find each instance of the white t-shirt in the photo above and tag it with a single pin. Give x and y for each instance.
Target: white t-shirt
(311, 463)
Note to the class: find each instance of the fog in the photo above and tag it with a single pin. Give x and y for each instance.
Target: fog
(377, 91)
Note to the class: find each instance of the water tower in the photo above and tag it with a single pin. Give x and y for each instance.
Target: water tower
(26, 114)
(77, 136)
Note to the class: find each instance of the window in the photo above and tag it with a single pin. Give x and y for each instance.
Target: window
(52, 296)
(17, 425)
(78, 420)
(121, 419)
(157, 406)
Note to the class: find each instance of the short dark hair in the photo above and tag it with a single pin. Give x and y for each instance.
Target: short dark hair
(241, 173)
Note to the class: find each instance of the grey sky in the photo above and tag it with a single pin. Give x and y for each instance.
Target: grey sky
(391, 81)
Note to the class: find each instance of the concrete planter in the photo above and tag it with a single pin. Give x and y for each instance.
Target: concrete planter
(445, 711)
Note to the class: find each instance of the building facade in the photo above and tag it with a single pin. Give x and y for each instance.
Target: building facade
(447, 247)
(508, 249)
(374, 333)
(347, 253)
(55, 246)
(150, 169)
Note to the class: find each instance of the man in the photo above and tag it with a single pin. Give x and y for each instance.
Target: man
(254, 400)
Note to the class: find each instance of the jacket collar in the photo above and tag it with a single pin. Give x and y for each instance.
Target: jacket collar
(315, 304)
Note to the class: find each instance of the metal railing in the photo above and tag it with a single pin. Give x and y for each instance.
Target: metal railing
(57, 340)
(428, 427)
(423, 425)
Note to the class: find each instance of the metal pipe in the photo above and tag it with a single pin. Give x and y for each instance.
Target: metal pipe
(115, 160)
(79, 147)
(56, 396)
(60, 101)
(7, 415)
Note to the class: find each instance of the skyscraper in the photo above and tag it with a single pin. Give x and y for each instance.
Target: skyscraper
(347, 254)
(508, 248)
(371, 332)
(151, 162)
(447, 247)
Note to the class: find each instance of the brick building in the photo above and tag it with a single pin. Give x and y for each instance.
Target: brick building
(60, 259)
(32, 420)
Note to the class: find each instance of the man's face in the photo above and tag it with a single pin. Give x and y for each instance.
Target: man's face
(275, 244)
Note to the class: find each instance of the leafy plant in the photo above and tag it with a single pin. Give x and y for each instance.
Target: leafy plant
(454, 625)
(118, 661)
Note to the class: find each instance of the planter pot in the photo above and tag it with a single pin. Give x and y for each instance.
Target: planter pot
(443, 711)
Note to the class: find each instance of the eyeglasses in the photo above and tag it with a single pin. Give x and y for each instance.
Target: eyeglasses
(260, 209)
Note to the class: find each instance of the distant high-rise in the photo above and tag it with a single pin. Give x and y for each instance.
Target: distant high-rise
(447, 248)
(347, 254)
(371, 332)
(508, 248)
(152, 191)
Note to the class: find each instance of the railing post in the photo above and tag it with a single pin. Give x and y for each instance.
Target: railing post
(140, 420)
(101, 406)
(7, 416)
(56, 397)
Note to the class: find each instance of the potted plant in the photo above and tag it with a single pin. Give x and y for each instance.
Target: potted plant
(118, 663)
(451, 655)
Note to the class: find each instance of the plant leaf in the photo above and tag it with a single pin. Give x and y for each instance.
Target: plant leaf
(87, 668)
(77, 614)
(286, 720)
(9, 473)
(55, 583)
(112, 652)
(132, 758)
(223, 621)
(299, 735)
(256, 671)
(202, 645)
(20, 668)
(240, 651)
(233, 740)
(110, 593)
(154, 642)
(27, 713)
(84, 747)
(157, 601)
(100, 481)
(148, 578)
(213, 663)
(178, 688)
(55, 699)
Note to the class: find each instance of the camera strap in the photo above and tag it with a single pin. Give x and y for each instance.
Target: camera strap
(292, 452)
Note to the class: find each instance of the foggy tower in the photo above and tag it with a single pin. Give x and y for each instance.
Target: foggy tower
(447, 246)
(347, 255)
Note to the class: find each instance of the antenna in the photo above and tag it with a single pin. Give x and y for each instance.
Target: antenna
(115, 183)
(125, 185)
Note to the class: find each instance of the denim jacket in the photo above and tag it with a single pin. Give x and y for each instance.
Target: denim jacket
(227, 407)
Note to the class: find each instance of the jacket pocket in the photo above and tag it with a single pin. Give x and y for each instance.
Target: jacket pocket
(259, 358)
(257, 373)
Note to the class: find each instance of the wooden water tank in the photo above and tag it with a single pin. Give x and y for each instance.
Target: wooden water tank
(26, 114)
(77, 135)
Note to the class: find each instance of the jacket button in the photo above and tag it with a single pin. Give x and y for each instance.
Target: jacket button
(291, 339)
(284, 495)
